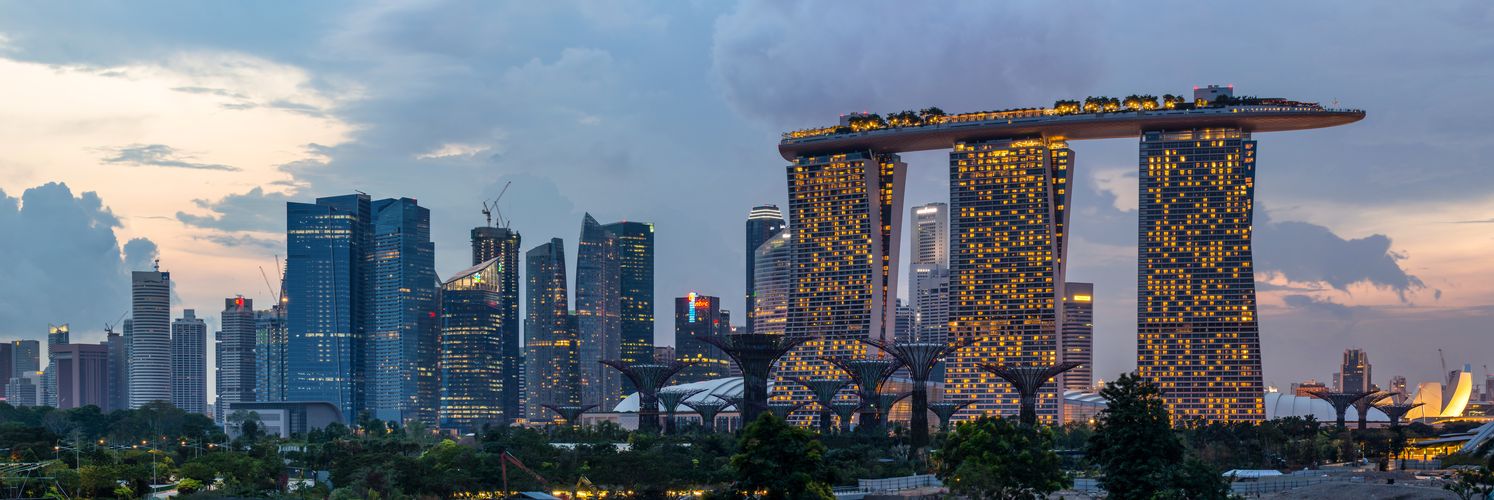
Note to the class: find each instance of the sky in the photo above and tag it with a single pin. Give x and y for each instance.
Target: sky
(131, 131)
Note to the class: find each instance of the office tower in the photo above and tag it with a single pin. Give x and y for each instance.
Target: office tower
(598, 304)
(478, 374)
(845, 212)
(25, 357)
(56, 335)
(328, 299)
(1354, 375)
(270, 342)
(24, 389)
(931, 234)
(1306, 389)
(663, 353)
(904, 331)
(1197, 335)
(635, 258)
(7, 364)
(504, 244)
(119, 372)
(698, 316)
(1078, 334)
(148, 338)
(1398, 385)
(189, 363)
(764, 223)
(551, 353)
(401, 335)
(773, 271)
(930, 302)
(234, 355)
(81, 373)
(1009, 198)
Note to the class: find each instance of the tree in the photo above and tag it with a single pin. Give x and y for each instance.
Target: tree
(1473, 483)
(783, 460)
(995, 458)
(1135, 446)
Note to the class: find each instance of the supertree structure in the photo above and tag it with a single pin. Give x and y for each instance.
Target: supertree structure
(648, 377)
(824, 391)
(868, 375)
(671, 399)
(919, 358)
(1028, 380)
(754, 354)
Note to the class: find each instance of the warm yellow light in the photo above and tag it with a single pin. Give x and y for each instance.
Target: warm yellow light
(1082, 298)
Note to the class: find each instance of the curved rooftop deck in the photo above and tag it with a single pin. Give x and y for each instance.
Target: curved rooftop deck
(1113, 125)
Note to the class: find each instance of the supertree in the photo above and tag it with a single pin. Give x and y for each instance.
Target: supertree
(919, 358)
(884, 405)
(570, 413)
(1028, 380)
(1398, 411)
(844, 410)
(783, 410)
(824, 391)
(648, 377)
(707, 411)
(671, 399)
(868, 375)
(945, 410)
(1363, 405)
(1341, 402)
(754, 354)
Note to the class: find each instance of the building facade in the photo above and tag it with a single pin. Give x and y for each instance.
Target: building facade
(119, 372)
(270, 343)
(505, 244)
(930, 302)
(7, 364)
(148, 338)
(635, 260)
(773, 275)
(56, 335)
(401, 341)
(764, 222)
(478, 374)
(81, 372)
(598, 312)
(1078, 335)
(551, 350)
(1354, 375)
(234, 355)
(1196, 310)
(189, 362)
(697, 316)
(328, 298)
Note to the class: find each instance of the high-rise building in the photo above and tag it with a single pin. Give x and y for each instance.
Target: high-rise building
(1354, 375)
(328, 283)
(1398, 385)
(598, 309)
(25, 357)
(478, 373)
(635, 259)
(931, 234)
(119, 372)
(904, 331)
(1197, 335)
(1079, 334)
(189, 363)
(773, 279)
(663, 353)
(551, 353)
(24, 389)
(1009, 198)
(1306, 389)
(270, 342)
(764, 223)
(7, 364)
(930, 302)
(845, 215)
(697, 316)
(81, 372)
(504, 244)
(148, 338)
(56, 335)
(234, 355)
(402, 383)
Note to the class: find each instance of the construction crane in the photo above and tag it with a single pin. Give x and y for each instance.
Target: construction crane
(508, 458)
(109, 327)
(275, 294)
(489, 209)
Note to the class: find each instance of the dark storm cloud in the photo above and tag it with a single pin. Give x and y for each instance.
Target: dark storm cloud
(61, 262)
(158, 155)
(254, 210)
(1310, 303)
(1305, 252)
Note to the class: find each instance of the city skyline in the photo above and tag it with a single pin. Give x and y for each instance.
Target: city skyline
(1405, 260)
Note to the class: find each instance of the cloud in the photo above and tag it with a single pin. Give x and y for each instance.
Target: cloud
(453, 150)
(159, 155)
(254, 210)
(62, 262)
(242, 240)
(1309, 253)
(1323, 305)
(1121, 185)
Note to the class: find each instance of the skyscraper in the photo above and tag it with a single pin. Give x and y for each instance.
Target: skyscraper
(148, 338)
(24, 389)
(188, 362)
(1009, 198)
(270, 341)
(478, 375)
(25, 357)
(698, 316)
(234, 355)
(328, 300)
(635, 254)
(1354, 375)
(81, 373)
(1197, 336)
(7, 364)
(598, 310)
(551, 350)
(57, 335)
(504, 244)
(904, 331)
(119, 372)
(930, 302)
(931, 234)
(401, 340)
(773, 275)
(763, 223)
(1078, 334)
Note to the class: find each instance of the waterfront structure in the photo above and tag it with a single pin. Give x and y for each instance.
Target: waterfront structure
(270, 344)
(401, 337)
(700, 316)
(551, 350)
(234, 355)
(119, 372)
(479, 376)
(148, 338)
(1354, 375)
(773, 279)
(328, 299)
(1197, 336)
(635, 269)
(505, 244)
(764, 222)
(81, 374)
(598, 310)
(188, 362)
(1077, 335)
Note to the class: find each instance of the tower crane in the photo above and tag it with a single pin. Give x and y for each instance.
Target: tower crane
(488, 210)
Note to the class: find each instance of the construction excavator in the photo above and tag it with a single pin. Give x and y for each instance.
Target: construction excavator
(508, 458)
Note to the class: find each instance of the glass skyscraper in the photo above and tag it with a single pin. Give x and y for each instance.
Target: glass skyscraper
(551, 353)
(1079, 334)
(763, 223)
(635, 253)
(504, 244)
(148, 338)
(478, 377)
(402, 349)
(598, 312)
(1197, 336)
(698, 316)
(189, 363)
(327, 294)
(270, 341)
(773, 278)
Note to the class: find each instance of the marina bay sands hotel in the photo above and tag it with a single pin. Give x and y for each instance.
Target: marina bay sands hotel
(1010, 174)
